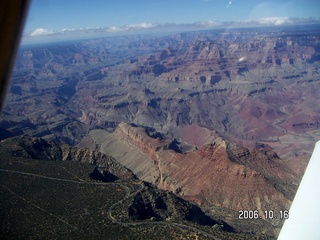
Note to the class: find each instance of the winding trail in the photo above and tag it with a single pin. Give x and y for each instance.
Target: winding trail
(110, 217)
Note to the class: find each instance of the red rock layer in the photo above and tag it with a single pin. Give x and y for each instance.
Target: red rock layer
(218, 173)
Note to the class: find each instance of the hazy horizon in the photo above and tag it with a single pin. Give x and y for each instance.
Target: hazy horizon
(64, 19)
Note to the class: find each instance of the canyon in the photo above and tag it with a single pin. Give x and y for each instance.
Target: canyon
(215, 172)
(225, 118)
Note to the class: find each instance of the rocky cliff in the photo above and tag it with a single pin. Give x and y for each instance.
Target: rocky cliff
(217, 172)
(37, 148)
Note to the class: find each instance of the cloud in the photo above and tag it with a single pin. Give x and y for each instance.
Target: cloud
(41, 32)
(131, 27)
(208, 24)
(142, 25)
(275, 21)
(67, 33)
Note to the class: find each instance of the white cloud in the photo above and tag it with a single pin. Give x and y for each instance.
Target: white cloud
(208, 24)
(67, 30)
(41, 32)
(275, 21)
(114, 29)
(69, 33)
(142, 25)
(131, 27)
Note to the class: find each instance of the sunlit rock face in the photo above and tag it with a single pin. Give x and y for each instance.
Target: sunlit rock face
(208, 170)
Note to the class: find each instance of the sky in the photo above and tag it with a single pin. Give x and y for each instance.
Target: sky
(48, 17)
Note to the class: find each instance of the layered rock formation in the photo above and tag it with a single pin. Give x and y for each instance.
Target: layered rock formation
(217, 110)
(212, 172)
(33, 163)
(37, 148)
(251, 85)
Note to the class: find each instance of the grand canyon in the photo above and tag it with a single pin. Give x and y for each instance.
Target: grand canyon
(222, 120)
